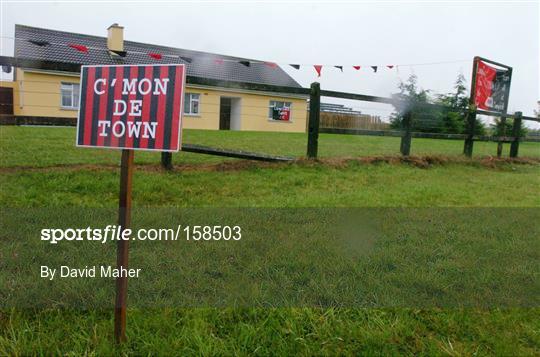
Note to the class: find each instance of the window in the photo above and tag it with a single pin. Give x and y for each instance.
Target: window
(70, 95)
(191, 103)
(279, 110)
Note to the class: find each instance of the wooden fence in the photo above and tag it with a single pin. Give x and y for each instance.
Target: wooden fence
(406, 133)
(351, 121)
(314, 121)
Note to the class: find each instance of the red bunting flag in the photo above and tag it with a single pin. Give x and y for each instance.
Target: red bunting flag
(271, 64)
(390, 66)
(318, 68)
(156, 56)
(80, 48)
(356, 67)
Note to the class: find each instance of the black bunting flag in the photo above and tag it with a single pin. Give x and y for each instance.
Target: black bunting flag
(295, 66)
(119, 53)
(40, 43)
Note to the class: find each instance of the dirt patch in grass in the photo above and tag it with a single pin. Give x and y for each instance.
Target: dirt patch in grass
(238, 165)
(419, 161)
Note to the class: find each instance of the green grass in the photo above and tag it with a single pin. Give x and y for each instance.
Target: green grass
(39, 147)
(277, 332)
(282, 331)
(357, 185)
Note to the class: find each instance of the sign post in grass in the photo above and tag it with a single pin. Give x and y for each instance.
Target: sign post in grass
(130, 107)
(490, 90)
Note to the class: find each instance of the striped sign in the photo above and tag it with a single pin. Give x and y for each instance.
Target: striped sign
(131, 107)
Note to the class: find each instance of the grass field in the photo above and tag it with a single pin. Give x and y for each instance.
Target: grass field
(55, 146)
(41, 169)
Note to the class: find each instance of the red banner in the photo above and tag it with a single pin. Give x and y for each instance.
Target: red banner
(491, 87)
(131, 107)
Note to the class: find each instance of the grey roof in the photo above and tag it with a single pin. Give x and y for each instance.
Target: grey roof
(203, 64)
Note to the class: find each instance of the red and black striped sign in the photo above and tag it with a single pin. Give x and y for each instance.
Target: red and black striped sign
(131, 107)
(491, 86)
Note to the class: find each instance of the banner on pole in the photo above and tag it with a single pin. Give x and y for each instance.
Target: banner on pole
(131, 107)
(491, 86)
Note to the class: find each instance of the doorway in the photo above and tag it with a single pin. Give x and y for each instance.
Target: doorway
(229, 113)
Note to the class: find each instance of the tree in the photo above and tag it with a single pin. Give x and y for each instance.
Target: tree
(507, 129)
(450, 120)
(410, 95)
(454, 116)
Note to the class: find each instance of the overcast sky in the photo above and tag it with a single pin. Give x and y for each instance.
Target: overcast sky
(331, 32)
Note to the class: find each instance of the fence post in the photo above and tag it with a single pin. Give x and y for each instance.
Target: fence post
(516, 132)
(314, 118)
(166, 160)
(471, 124)
(502, 125)
(406, 125)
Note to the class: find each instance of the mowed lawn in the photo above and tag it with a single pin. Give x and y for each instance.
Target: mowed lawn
(59, 181)
(38, 146)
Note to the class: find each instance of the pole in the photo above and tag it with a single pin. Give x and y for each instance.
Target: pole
(516, 132)
(314, 118)
(406, 137)
(124, 221)
(471, 114)
(166, 160)
(471, 126)
(503, 117)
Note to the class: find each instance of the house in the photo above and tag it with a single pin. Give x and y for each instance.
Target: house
(47, 96)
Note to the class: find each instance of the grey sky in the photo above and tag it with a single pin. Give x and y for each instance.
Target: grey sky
(362, 33)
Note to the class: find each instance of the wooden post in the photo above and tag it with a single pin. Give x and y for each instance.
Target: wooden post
(166, 160)
(516, 132)
(124, 221)
(314, 118)
(502, 132)
(471, 126)
(406, 136)
(471, 113)
(503, 117)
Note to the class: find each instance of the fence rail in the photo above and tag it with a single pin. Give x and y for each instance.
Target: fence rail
(416, 134)
(406, 133)
(314, 92)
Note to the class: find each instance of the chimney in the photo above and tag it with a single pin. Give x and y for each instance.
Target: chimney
(115, 37)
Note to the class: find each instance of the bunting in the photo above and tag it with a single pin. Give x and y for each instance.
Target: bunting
(156, 56)
(39, 43)
(219, 61)
(80, 48)
(119, 53)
